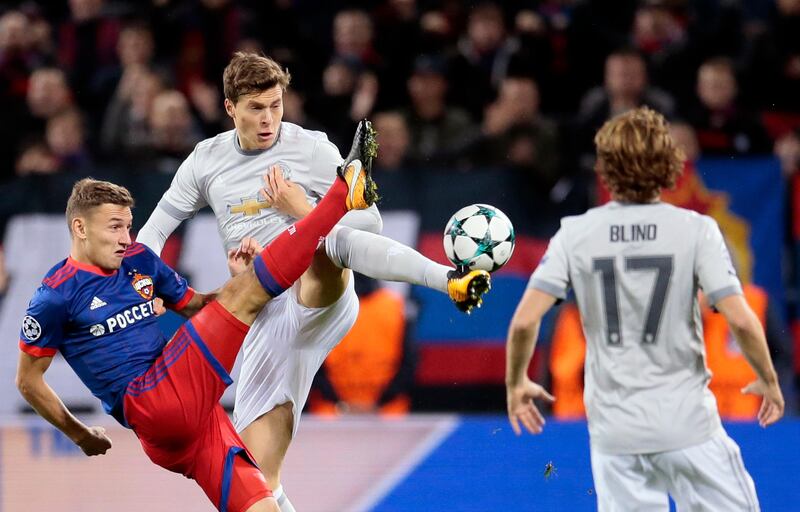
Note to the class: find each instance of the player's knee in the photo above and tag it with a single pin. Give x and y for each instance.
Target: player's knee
(323, 283)
(243, 296)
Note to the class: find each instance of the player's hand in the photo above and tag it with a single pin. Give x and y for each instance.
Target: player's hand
(94, 441)
(521, 408)
(287, 197)
(241, 257)
(772, 404)
(158, 306)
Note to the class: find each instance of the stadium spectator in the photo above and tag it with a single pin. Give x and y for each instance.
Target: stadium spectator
(353, 37)
(660, 34)
(723, 125)
(625, 87)
(294, 110)
(36, 158)
(87, 42)
(210, 31)
(17, 60)
(482, 60)
(125, 131)
(438, 131)
(515, 134)
(686, 139)
(534, 50)
(172, 133)
(394, 140)
(773, 61)
(135, 52)
(66, 138)
(349, 93)
(49, 94)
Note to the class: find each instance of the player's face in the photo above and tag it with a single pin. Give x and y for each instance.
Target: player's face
(257, 118)
(108, 235)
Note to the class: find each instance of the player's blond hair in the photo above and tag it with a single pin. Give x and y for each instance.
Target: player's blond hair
(637, 156)
(89, 193)
(249, 73)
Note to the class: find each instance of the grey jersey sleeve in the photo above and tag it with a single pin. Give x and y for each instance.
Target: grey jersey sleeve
(184, 197)
(157, 229)
(713, 265)
(324, 162)
(552, 274)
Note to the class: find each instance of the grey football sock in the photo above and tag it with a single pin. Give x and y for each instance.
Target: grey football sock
(383, 258)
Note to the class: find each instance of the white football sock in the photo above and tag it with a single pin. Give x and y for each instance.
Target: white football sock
(283, 501)
(379, 257)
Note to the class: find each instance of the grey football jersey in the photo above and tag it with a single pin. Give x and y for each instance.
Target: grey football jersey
(636, 270)
(220, 174)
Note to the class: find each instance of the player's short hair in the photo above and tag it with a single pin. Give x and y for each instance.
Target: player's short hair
(637, 156)
(89, 193)
(249, 73)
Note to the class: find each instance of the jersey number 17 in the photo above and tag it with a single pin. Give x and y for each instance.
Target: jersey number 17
(608, 278)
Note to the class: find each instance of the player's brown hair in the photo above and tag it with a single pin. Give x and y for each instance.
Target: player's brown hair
(89, 193)
(637, 156)
(249, 73)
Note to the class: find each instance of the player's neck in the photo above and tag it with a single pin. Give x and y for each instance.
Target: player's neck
(81, 259)
(617, 199)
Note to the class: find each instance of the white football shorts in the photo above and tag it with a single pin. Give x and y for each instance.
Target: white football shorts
(285, 347)
(706, 477)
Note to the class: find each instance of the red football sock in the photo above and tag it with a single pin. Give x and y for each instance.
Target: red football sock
(285, 259)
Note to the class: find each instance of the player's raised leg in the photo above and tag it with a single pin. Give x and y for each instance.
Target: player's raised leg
(382, 258)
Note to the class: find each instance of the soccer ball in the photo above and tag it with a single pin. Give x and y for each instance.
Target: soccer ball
(479, 236)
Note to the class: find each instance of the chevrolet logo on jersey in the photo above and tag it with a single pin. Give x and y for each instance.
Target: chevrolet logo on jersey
(249, 207)
(143, 285)
(125, 318)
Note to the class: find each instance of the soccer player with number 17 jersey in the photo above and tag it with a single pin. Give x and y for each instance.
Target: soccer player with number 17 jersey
(636, 265)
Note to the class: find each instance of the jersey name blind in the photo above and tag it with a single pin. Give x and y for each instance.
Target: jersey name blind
(636, 271)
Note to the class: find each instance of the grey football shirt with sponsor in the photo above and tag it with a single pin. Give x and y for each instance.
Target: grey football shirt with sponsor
(220, 174)
(636, 270)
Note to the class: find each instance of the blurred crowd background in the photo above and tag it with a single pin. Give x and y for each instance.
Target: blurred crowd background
(498, 97)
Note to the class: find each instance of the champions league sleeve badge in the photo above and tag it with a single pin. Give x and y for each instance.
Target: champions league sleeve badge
(31, 328)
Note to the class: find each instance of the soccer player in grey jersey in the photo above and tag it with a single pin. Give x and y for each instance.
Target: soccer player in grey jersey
(636, 266)
(291, 338)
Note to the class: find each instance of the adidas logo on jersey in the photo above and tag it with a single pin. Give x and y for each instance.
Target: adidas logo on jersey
(97, 303)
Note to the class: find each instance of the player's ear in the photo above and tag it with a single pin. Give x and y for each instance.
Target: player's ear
(78, 228)
(229, 108)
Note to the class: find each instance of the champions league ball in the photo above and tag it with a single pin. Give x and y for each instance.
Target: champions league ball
(479, 236)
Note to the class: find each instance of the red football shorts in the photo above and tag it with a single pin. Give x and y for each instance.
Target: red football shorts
(174, 410)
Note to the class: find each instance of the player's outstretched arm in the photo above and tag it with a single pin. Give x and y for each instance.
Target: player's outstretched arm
(45, 401)
(749, 334)
(522, 334)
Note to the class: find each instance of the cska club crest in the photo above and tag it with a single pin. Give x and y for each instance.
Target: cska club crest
(143, 286)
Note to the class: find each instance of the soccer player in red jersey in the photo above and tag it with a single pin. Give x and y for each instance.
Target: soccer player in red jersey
(97, 308)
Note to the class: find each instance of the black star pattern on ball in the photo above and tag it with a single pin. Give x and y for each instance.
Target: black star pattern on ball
(486, 212)
(457, 230)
